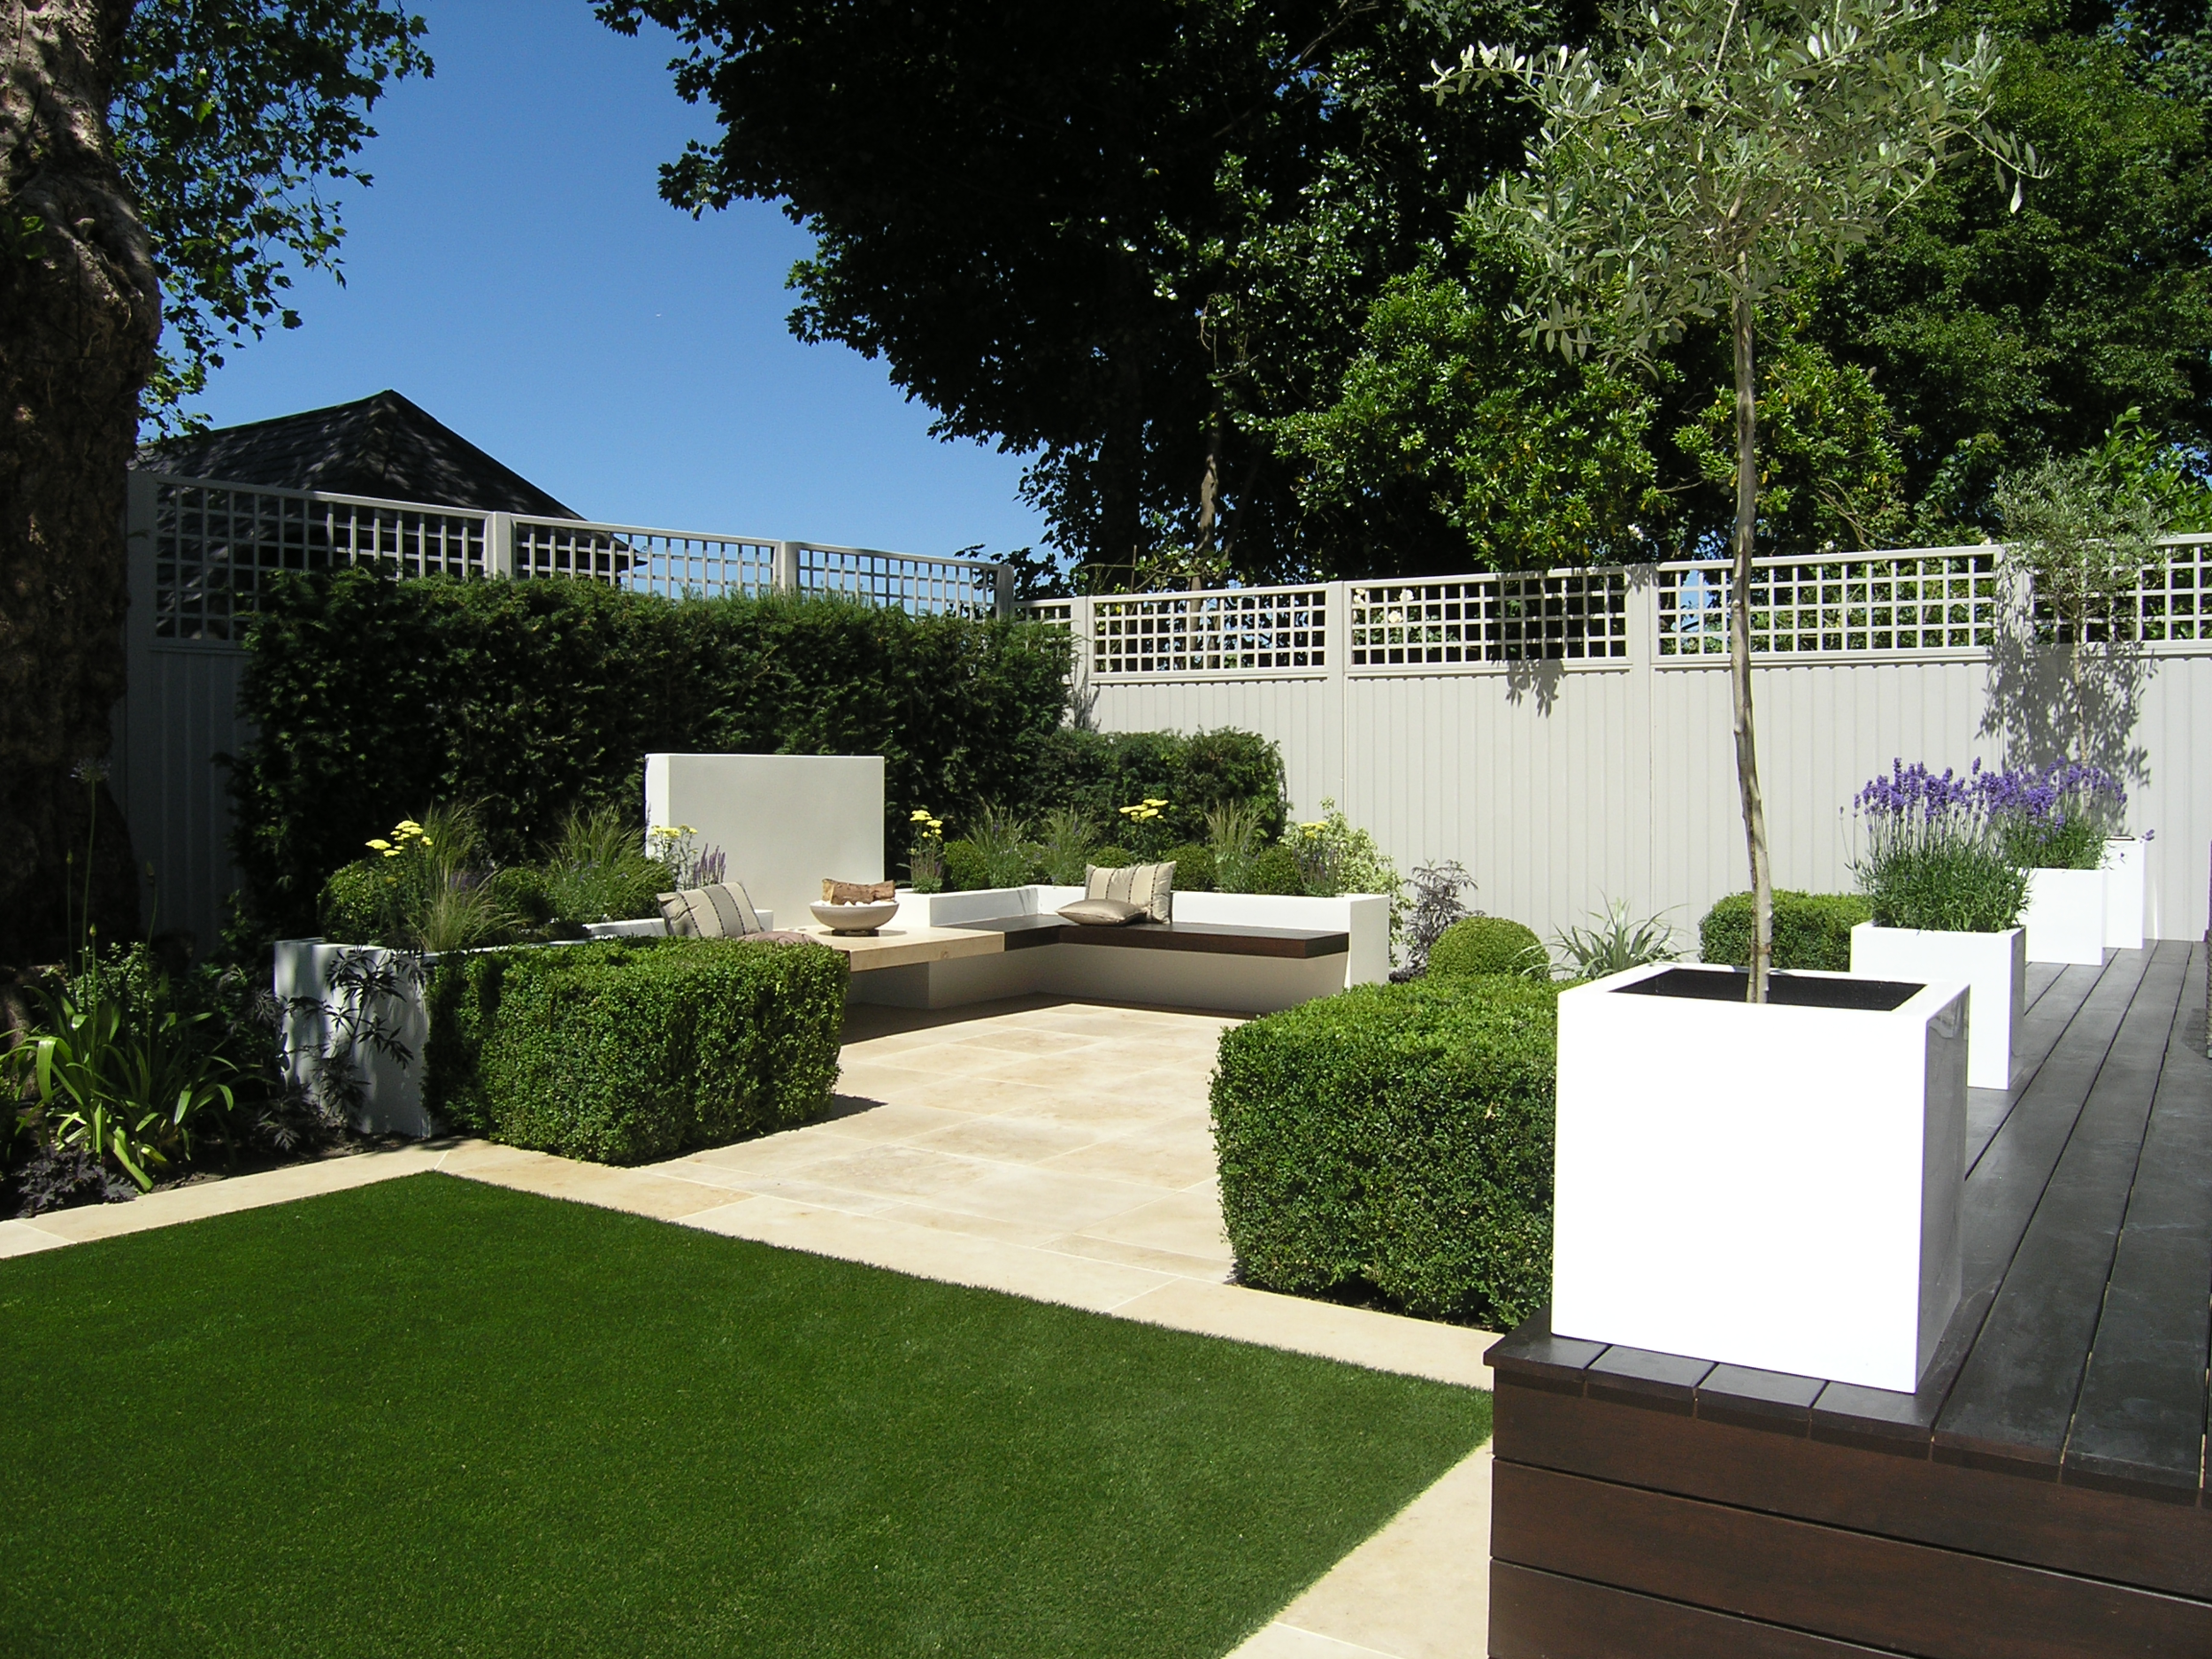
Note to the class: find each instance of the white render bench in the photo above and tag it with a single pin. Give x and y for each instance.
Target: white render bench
(1242, 953)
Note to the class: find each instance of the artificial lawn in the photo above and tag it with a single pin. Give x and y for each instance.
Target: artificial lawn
(430, 1416)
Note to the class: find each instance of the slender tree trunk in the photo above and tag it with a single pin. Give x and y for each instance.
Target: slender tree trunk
(1755, 816)
(79, 312)
(1209, 486)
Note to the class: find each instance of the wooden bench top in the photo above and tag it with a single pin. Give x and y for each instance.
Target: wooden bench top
(1219, 939)
(2078, 1352)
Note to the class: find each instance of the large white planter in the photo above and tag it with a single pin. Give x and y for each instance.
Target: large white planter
(2064, 916)
(1774, 1187)
(2124, 866)
(1994, 967)
(327, 1042)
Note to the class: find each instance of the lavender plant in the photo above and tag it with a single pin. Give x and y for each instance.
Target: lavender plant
(2054, 817)
(1935, 856)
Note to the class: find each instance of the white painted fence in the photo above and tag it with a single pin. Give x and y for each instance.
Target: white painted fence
(1566, 736)
(201, 553)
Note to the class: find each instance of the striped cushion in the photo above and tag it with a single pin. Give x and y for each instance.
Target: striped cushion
(722, 912)
(1150, 887)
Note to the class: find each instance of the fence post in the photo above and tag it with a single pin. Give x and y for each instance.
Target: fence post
(499, 546)
(1003, 590)
(783, 573)
(1642, 761)
(1336, 645)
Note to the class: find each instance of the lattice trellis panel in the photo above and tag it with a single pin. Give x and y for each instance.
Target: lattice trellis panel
(1053, 613)
(215, 549)
(929, 587)
(2172, 606)
(1470, 621)
(1944, 601)
(662, 562)
(1265, 629)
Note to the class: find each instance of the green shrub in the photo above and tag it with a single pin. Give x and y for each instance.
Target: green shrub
(1488, 945)
(1100, 773)
(1194, 868)
(630, 1051)
(1395, 1140)
(1275, 869)
(1107, 858)
(373, 695)
(1968, 888)
(356, 905)
(1812, 930)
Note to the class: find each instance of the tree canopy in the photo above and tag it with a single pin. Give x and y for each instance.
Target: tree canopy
(228, 117)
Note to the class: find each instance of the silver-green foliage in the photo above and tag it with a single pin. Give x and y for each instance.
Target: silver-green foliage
(1618, 941)
(1714, 157)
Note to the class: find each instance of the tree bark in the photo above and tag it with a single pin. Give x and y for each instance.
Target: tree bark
(1210, 486)
(1755, 818)
(80, 314)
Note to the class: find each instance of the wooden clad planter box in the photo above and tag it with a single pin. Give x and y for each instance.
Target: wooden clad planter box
(2065, 915)
(1994, 967)
(1771, 1187)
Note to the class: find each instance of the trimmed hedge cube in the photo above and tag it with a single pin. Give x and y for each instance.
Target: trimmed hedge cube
(1395, 1140)
(1488, 944)
(1812, 930)
(633, 1050)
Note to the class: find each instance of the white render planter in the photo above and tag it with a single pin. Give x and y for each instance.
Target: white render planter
(2124, 865)
(1994, 967)
(2064, 916)
(320, 1020)
(1774, 1187)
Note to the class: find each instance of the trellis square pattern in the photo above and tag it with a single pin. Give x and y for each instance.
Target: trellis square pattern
(668, 563)
(926, 587)
(1946, 600)
(1233, 632)
(216, 548)
(1471, 620)
(2174, 604)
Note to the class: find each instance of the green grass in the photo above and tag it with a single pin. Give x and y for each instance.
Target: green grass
(435, 1417)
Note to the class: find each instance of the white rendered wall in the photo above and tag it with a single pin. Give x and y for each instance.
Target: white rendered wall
(786, 822)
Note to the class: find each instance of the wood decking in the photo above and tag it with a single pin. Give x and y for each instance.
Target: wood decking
(2042, 1494)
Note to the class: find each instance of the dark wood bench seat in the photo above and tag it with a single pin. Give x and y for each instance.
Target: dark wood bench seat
(1208, 938)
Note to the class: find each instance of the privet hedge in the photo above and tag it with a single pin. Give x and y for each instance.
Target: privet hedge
(626, 1052)
(374, 697)
(1395, 1140)
(1812, 930)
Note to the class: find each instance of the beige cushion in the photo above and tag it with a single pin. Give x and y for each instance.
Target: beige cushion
(1102, 912)
(1151, 888)
(722, 912)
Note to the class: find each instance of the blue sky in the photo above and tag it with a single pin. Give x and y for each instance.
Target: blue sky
(515, 273)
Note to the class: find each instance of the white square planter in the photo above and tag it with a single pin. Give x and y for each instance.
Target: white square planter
(2064, 916)
(2125, 857)
(319, 1021)
(1774, 1187)
(1993, 965)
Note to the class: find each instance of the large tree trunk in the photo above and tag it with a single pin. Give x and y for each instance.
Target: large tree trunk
(80, 314)
(1755, 816)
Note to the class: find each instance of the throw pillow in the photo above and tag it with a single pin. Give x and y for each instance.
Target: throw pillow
(859, 892)
(1151, 888)
(722, 912)
(1102, 912)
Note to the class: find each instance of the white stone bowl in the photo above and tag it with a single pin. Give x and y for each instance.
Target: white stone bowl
(853, 918)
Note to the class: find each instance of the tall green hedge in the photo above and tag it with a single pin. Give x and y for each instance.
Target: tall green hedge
(1395, 1140)
(626, 1052)
(374, 697)
(1812, 930)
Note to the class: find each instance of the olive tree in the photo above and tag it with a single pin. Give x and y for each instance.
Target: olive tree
(1720, 153)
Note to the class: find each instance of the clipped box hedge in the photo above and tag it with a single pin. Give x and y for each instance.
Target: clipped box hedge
(633, 1050)
(1395, 1140)
(1812, 930)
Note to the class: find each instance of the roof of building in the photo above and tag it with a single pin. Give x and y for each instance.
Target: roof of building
(382, 446)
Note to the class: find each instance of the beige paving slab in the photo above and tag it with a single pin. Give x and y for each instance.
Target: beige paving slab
(1358, 1336)
(1420, 1587)
(919, 1175)
(1285, 1641)
(17, 1238)
(239, 1192)
(955, 1258)
(640, 1192)
(1011, 1140)
(1187, 1223)
(1174, 1154)
(1212, 1269)
(893, 1119)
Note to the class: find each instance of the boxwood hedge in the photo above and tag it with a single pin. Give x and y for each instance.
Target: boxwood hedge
(633, 1050)
(1395, 1141)
(1812, 930)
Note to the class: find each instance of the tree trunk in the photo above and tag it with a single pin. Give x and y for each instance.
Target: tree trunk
(80, 314)
(1210, 488)
(1755, 816)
